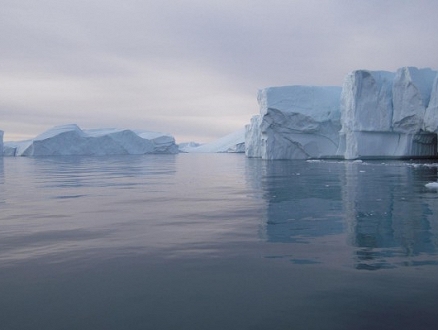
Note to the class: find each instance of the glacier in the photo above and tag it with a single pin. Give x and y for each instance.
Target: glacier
(375, 114)
(69, 140)
(231, 143)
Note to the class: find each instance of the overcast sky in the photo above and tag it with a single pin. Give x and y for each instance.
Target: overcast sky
(191, 68)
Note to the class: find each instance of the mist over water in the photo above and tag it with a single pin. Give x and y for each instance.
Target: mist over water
(216, 241)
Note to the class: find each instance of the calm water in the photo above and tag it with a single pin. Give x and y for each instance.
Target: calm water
(217, 241)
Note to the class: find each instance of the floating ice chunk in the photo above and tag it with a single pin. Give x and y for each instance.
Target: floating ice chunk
(432, 185)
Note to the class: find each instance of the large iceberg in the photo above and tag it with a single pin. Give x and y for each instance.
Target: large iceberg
(71, 140)
(384, 114)
(295, 122)
(231, 143)
(376, 114)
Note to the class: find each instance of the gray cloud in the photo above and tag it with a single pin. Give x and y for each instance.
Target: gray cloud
(191, 68)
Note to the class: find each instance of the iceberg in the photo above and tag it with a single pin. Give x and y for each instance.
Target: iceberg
(231, 143)
(376, 114)
(383, 114)
(295, 122)
(69, 140)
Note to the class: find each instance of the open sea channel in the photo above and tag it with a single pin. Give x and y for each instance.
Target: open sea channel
(217, 241)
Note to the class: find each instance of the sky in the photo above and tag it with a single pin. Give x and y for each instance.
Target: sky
(191, 68)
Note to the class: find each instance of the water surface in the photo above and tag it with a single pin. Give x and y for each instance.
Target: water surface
(217, 241)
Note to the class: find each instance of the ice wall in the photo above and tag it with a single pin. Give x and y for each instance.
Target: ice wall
(411, 94)
(384, 114)
(71, 140)
(431, 115)
(295, 122)
(253, 140)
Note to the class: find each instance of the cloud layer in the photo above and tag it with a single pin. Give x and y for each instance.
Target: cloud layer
(191, 68)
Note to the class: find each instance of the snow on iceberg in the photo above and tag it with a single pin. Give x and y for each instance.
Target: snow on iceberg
(295, 122)
(232, 143)
(71, 140)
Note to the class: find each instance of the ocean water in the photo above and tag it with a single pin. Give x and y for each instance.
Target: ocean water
(217, 241)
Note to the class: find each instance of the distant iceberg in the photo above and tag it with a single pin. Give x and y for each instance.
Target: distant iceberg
(69, 140)
(231, 143)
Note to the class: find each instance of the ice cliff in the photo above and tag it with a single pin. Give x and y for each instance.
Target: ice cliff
(71, 140)
(431, 115)
(295, 122)
(375, 114)
(384, 114)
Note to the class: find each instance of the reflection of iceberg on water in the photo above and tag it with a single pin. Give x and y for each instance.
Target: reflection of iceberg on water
(299, 205)
(2, 181)
(376, 211)
(385, 226)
